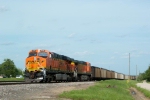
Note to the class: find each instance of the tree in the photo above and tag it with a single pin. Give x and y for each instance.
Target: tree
(147, 74)
(19, 72)
(141, 77)
(8, 68)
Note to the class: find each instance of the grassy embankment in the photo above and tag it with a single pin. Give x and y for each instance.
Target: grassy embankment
(104, 90)
(144, 91)
(11, 79)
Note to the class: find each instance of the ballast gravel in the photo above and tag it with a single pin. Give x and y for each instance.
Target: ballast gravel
(45, 91)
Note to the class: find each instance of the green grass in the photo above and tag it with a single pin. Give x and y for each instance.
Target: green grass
(144, 91)
(118, 90)
(11, 79)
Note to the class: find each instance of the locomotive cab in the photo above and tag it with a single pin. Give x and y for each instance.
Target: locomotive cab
(36, 64)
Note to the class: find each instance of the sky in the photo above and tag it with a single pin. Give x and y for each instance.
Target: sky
(102, 32)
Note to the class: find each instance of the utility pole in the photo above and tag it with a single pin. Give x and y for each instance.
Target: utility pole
(129, 66)
(136, 72)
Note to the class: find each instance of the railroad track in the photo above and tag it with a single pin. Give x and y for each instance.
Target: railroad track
(15, 83)
(20, 83)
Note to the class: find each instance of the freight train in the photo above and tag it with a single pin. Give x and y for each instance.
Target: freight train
(46, 66)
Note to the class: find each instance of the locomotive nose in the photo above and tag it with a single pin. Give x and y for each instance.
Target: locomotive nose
(35, 63)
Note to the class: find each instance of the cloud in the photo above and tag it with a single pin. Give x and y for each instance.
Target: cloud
(122, 35)
(144, 53)
(83, 53)
(71, 35)
(58, 50)
(125, 55)
(132, 55)
(116, 52)
(95, 41)
(113, 57)
(86, 23)
(62, 28)
(42, 46)
(7, 43)
(134, 50)
(82, 39)
(3, 9)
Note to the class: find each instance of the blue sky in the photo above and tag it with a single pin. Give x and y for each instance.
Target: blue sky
(102, 32)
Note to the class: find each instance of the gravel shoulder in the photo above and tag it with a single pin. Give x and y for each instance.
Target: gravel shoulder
(49, 91)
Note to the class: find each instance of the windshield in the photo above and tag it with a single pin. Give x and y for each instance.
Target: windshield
(43, 54)
(32, 54)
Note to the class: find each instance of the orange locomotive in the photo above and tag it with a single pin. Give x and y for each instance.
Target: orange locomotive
(46, 66)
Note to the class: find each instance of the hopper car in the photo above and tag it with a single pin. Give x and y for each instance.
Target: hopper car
(47, 66)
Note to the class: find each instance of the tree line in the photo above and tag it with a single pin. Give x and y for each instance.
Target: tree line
(8, 69)
(145, 75)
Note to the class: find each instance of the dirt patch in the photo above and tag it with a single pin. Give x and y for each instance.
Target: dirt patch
(137, 95)
(52, 93)
(63, 89)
